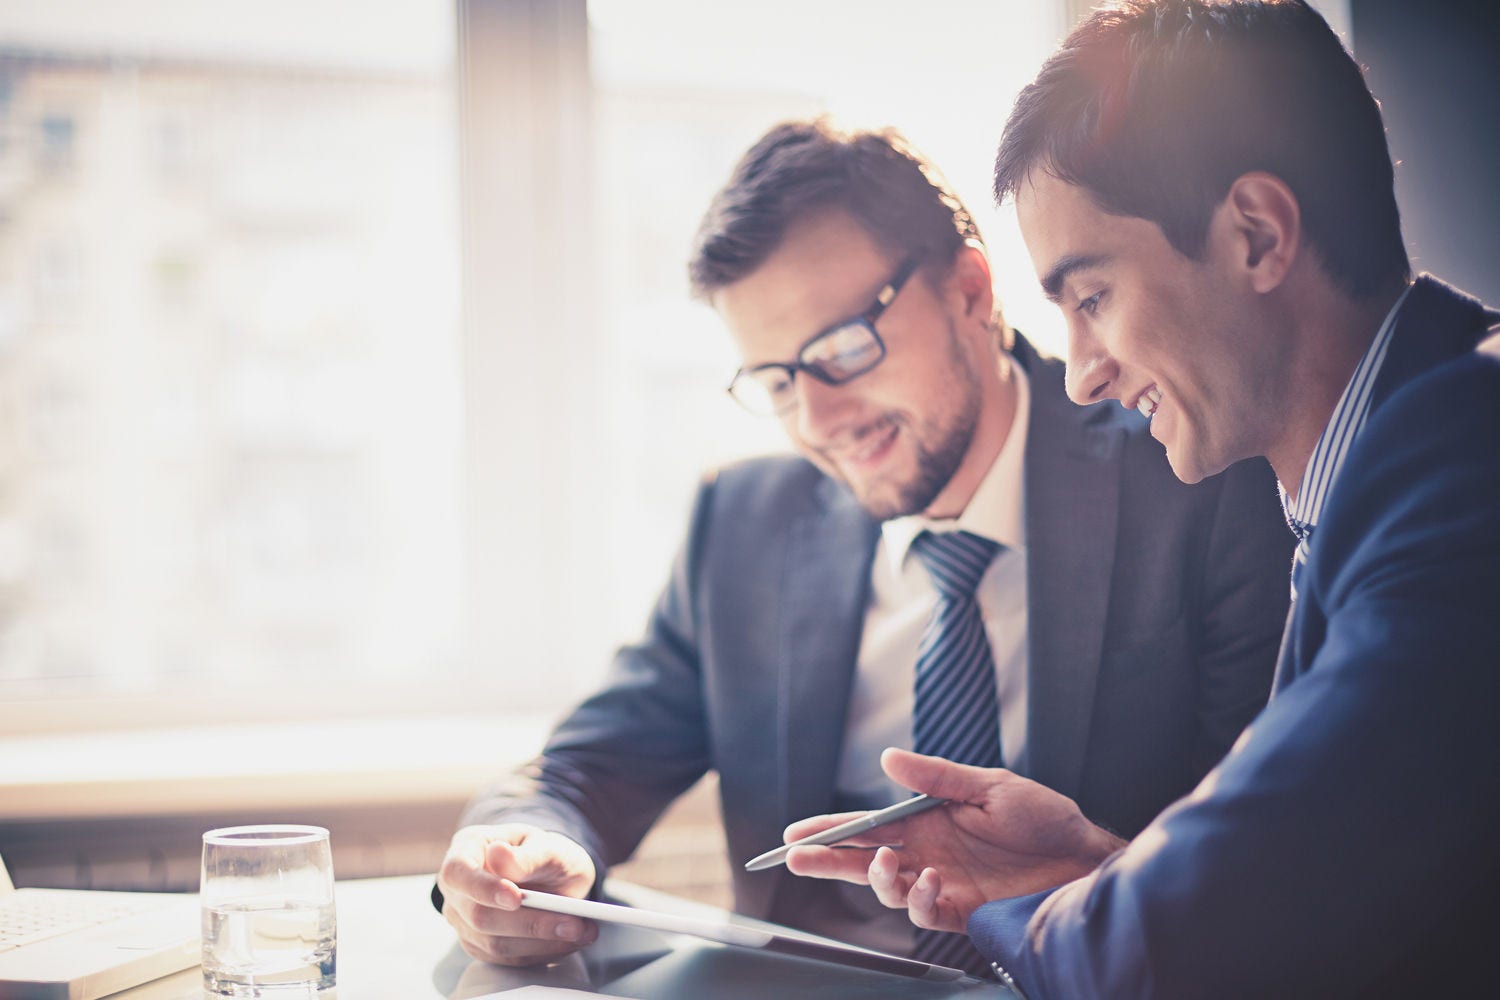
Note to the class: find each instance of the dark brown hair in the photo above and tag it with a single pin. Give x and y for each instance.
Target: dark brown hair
(1155, 107)
(802, 167)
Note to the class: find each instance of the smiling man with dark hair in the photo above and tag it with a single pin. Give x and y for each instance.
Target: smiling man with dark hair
(1204, 189)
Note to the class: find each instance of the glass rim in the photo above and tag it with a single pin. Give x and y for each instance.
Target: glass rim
(264, 834)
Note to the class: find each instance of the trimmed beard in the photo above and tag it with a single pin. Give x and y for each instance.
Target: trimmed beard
(936, 465)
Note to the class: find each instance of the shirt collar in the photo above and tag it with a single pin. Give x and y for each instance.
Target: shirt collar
(997, 509)
(1349, 416)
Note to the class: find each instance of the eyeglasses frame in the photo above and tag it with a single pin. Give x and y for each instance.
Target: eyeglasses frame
(883, 298)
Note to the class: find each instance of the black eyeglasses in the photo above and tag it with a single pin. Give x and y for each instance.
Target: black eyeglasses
(837, 355)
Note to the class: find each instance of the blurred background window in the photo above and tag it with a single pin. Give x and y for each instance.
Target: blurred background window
(347, 364)
(230, 417)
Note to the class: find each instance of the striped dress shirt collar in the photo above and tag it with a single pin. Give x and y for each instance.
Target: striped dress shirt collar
(1349, 416)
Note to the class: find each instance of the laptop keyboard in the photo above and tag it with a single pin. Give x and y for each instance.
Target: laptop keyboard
(31, 916)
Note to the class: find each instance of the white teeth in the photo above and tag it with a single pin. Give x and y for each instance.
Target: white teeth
(1149, 401)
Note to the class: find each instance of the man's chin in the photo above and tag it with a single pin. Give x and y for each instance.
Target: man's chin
(884, 501)
(880, 497)
(883, 509)
(1191, 467)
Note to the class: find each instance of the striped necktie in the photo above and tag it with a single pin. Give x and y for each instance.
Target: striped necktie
(1303, 531)
(957, 713)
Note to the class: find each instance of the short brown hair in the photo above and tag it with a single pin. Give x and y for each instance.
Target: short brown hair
(801, 167)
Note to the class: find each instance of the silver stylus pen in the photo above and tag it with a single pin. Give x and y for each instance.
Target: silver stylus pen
(834, 834)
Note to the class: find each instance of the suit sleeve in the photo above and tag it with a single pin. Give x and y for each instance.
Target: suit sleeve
(1242, 606)
(1346, 846)
(613, 764)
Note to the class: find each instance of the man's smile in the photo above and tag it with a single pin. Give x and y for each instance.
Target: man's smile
(1147, 402)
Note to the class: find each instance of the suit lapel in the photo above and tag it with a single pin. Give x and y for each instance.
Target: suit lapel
(1072, 499)
(824, 592)
(1436, 324)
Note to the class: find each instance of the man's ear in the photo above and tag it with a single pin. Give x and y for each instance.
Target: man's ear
(1263, 224)
(970, 281)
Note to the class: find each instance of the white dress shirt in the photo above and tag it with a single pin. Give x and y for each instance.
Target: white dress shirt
(902, 598)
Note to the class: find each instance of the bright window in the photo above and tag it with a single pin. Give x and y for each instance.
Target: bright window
(230, 438)
(346, 358)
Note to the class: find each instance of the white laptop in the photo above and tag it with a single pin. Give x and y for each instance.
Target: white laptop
(78, 944)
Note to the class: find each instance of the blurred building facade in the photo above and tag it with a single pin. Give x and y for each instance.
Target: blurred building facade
(222, 288)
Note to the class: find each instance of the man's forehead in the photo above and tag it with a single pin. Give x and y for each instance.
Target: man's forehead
(817, 276)
(1044, 203)
(1067, 234)
(828, 257)
(824, 229)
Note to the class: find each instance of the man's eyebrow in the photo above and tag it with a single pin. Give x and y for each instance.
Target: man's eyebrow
(1052, 282)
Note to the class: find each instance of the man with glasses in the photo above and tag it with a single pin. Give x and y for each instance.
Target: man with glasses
(961, 561)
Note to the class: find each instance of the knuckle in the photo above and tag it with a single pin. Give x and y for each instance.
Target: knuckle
(538, 925)
(451, 873)
(518, 925)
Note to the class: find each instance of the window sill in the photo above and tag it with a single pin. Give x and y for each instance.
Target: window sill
(249, 768)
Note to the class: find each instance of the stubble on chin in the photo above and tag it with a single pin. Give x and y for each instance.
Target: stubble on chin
(938, 449)
(884, 504)
(885, 498)
(880, 498)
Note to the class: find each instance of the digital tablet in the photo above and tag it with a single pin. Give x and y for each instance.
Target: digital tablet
(741, 936)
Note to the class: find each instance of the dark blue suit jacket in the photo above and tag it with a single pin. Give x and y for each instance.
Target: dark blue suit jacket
(1349, 846)
(1155, 611)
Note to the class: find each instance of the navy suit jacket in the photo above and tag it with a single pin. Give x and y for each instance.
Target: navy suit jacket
(1155, 613)
(1349, 845)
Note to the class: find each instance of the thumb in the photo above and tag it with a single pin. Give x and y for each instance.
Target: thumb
(936, 776)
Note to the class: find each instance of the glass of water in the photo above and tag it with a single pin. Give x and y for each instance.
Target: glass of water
(268, 916)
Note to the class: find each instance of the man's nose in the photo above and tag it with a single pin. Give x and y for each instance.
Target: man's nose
(1092, 373)
(819, 407)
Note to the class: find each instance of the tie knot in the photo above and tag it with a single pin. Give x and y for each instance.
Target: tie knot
(955, 560)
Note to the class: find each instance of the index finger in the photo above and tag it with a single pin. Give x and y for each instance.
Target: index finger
(817, 824)
(842, 863)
